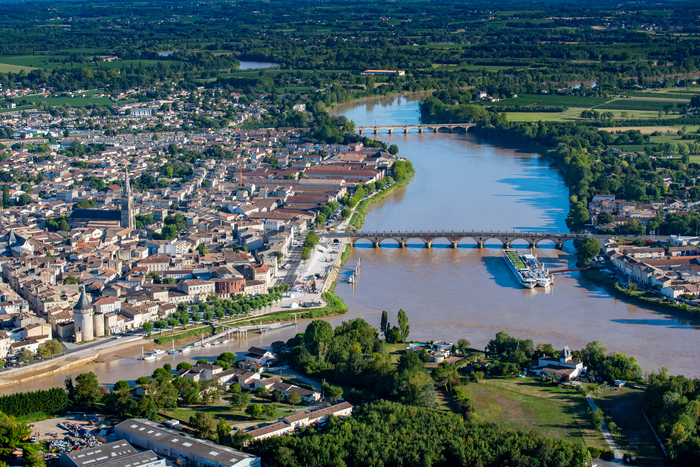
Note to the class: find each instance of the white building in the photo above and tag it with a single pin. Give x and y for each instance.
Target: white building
(176, 445)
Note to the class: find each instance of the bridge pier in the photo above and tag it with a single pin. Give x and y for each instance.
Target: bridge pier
(405, 130)
(420, 129)
(454, 243)
(361, 131)
(506, 244)
(480, 245)
(559, 246)
(428, 243)
(435, 129)
(402, 244)
(375, 244)
(391, 131)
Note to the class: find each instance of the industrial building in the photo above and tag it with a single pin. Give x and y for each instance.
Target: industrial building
(176, 445)
(116, 454)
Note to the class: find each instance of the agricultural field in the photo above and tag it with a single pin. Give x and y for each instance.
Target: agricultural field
(574, 114)
(669, 135)
(6, 68)
(527, 404)
(55, 61)
(639, 104)
(548, 99)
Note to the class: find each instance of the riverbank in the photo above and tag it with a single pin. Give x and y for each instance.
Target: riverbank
(639, 297)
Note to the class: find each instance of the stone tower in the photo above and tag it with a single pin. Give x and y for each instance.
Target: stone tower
(82, 316)
(127, 205)
(98, 324)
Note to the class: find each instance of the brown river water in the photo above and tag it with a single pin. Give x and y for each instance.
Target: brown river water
(465, 184)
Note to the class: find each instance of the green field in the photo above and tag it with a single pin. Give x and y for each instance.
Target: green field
(6, 68)
(660, 95)
(47, 61)
(228, 413)
(632, 104)
(548, 99)
(73, 101)
(527, 404)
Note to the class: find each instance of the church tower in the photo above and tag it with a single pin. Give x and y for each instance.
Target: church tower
(82, 317)
(127, 205)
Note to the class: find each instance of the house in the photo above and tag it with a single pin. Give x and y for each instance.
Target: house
(259, 356)
(565, 367)
(289, 424)
(203, 372)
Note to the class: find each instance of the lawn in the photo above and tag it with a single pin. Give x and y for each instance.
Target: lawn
(228, 413)
(395, 351)
(625, 406)
(527, 404)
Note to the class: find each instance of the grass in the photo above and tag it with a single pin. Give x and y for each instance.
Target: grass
(228, 413)
(625, 406)
(548, 99)
(7, 68)
(527, 404)
(395, 351)
(632, 104)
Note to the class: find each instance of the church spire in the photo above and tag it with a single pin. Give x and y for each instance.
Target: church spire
(127, 187)
(127, 205)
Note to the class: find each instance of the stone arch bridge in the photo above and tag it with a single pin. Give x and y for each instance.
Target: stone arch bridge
(434, 127)
(480, 237)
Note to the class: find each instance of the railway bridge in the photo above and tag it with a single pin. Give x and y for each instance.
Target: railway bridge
(434, 127)
(533, 238)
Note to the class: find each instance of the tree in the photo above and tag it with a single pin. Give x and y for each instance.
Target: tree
(277, 395)
(183, 366)
(11, 432)
(270, 410)
(305, 253)
(605, 218)
(141, 380)
(87, 389)
(148, 327)
(204, 423)
(190, 395)
(589, 248)
(318, 331)
(223, 430)
(294, 398)
(228, 357)
(345, 213)
(333, 393)
(403, 325)
(240, 399)
(262, 392)
(254, 411)
(393, 150)
(463, 345)
(24, 199)
(121, 385)
(384, 325)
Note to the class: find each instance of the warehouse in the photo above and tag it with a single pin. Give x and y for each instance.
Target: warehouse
(117, 454)
(176, 445)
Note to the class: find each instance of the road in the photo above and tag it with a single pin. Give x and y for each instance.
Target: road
(606, 433)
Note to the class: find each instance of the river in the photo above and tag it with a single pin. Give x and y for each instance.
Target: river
(463, 184)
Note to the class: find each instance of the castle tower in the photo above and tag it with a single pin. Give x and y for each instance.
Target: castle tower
(127, 205)
(82, 316)
(98, 324)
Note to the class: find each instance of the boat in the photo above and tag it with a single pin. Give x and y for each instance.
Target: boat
(520, 271)
(158, 352)
(527, 269)
(186, 349)
(351, 279)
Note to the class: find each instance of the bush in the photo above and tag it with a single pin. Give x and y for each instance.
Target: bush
(595, 452)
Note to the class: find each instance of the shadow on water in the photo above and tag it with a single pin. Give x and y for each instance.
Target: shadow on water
(497, 269)
(670, 323)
